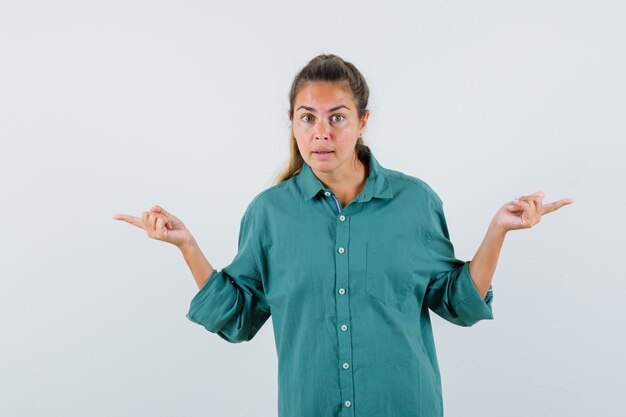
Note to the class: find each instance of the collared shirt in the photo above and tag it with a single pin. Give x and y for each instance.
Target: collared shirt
(349, 291)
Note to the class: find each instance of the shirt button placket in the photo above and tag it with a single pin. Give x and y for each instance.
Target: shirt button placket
(343, 309)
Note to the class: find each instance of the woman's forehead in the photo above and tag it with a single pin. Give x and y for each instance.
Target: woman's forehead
(324, 94)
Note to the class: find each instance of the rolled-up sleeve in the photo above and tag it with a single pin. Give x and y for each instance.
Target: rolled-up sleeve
(232, 301)
(451, 292)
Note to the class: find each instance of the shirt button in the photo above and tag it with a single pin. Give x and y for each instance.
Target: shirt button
(348, 403)
(342, 217)
(344, 327)
(341, 250)
(326, 193)
(345, 365)
(342, 291)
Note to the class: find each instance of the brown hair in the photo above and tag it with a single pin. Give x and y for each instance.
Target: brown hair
(326, 68)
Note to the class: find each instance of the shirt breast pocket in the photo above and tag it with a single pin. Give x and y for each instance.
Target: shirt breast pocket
(388, 276)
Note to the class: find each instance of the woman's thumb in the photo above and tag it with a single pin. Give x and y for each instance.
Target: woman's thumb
(159, 209)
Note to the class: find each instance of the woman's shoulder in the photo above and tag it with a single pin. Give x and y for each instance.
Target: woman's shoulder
(275, 195)
(411, 183)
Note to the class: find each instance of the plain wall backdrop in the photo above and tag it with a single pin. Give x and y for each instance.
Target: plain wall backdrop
(113, 106)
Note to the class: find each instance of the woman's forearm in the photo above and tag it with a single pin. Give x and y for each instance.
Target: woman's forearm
(483, 265)
(197, 262)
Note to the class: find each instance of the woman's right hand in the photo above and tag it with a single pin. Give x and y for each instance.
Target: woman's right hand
(161, 225)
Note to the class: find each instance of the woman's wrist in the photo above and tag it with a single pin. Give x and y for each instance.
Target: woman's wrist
(495, 227)
(188, 245)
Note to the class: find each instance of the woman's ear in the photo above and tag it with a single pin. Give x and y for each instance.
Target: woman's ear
(364, 118)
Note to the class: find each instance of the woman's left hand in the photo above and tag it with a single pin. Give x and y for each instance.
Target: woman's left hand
(526, 211)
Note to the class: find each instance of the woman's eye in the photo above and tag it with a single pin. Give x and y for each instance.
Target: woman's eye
(335, 118)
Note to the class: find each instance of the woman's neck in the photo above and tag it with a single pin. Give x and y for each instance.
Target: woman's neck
(347, 187)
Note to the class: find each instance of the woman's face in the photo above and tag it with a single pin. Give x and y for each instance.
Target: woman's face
(325, 119)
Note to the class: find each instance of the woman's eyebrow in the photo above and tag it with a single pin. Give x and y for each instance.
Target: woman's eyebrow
(329, 111)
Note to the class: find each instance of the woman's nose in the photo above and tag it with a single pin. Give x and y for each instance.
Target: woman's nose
(323, 131)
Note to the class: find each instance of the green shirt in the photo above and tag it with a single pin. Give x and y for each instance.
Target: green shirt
(349, 291)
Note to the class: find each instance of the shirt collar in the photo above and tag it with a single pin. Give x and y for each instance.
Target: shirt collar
(377, 183)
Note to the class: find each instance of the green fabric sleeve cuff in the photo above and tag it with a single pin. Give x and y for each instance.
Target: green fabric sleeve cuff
(472, 307)
(215, 303)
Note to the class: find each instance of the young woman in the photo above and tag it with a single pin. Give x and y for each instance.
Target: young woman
(347, 257)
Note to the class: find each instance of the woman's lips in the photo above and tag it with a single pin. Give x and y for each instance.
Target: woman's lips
(323, 155)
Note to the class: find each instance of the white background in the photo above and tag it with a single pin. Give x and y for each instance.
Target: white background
(113, 106)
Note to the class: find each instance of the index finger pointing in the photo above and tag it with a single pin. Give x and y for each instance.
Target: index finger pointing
(135, 221)
(548, 208)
